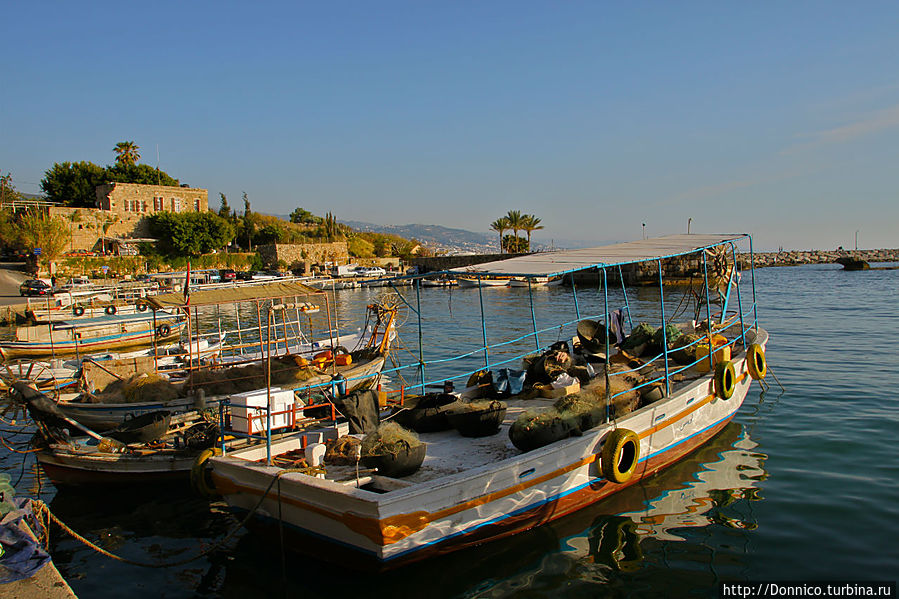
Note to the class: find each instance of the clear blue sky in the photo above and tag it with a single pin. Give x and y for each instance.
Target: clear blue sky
(780, 119)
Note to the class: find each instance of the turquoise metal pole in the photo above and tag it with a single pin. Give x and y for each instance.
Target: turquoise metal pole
(533, 316)
(483, 324)
(577, 310)
(605, 366)
(421, 355)
(755, 303)
(664, 332)
(708, 309)
(733, 255)
(627, 306)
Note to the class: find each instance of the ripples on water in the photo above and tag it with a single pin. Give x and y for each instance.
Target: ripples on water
(802, 485)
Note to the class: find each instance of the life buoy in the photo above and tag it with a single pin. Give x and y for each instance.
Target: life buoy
(755, 362)
(142, 307)
(725, 379)
(163, 330)
(111, 310)
(199, 475)
(78, 310)
(620, 454)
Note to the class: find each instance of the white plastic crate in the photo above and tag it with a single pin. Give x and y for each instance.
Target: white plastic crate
(245, 419)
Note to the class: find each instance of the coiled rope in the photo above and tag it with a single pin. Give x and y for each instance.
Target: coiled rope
(44, 516)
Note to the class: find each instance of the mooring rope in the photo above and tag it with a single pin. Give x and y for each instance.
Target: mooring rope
(43, 514)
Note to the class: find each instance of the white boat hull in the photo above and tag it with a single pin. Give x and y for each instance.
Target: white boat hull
(410, 521)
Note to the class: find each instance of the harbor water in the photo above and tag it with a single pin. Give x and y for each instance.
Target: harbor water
(802, 485)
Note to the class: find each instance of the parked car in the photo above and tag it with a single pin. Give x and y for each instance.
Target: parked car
(245, 276)
(227, 274)
(260, 275)
(370, 271)
(76, 283)
(35, 287)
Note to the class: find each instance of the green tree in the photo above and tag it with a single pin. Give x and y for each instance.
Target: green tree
(529, 224)
(515, 221)
(270, 234)
(500, 225)
(514, 244)
(8, 191)
(249, 222)
(74, 183)
(142, 174)
(301, 216)
(190, 233)
(37, 229)
(224, 208)
(127, 153)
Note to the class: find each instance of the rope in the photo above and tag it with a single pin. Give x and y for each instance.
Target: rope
(9, 447)
(42, 510)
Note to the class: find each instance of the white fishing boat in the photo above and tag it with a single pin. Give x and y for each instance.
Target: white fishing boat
(471, 281)
(90, 335)
(439, 282)
(641, 416)
(535, 282)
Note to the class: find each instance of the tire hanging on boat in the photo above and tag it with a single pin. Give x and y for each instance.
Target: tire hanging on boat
(756, 362)
(199, 475)
(620, 454)
(725, 379)
(142, 307)
(78, 310)
(163, 330)
(111, 310)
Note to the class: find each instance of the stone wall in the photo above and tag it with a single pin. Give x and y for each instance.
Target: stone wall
(87, 225)
(310, 253)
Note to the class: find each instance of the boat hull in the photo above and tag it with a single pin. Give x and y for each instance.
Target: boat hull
(419, 520)
(87, 345)
(66, 468)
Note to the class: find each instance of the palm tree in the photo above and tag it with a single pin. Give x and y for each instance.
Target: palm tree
(500, 225)
(127, 151)
(515, 223)
(530, 223)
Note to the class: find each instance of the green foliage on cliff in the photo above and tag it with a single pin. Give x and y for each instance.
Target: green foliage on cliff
(190, 233)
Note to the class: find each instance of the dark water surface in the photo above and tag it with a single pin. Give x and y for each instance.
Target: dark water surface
(802, 485)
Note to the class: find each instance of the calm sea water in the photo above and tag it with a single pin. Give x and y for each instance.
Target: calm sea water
(802, 485)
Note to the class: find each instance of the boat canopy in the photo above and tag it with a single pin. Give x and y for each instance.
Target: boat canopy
(229, 295)
(547, 264)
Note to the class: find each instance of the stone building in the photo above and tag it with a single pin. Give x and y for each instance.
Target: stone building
(133, 198)
(121, 211)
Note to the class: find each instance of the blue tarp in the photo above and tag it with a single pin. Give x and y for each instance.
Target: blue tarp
(22, 554)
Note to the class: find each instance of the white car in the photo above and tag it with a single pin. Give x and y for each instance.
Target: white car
(370, 271)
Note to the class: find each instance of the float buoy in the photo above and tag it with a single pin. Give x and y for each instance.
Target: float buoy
(619, 455)
(725, 379)
(199, 475)
(755, 362)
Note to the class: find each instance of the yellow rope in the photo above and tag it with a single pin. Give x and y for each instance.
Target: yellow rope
(43, 513)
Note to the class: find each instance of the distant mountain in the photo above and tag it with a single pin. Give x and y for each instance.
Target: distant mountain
(452, 241)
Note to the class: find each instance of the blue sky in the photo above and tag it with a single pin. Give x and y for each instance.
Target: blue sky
(780, 119)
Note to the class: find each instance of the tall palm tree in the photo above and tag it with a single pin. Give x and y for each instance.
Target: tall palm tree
(500, 225)
(127, 153)
(530, 223)
(515, 222)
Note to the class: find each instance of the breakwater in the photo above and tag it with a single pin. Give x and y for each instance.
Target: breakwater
(794, 258)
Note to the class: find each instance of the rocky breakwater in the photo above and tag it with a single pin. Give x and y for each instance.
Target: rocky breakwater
(763, 259)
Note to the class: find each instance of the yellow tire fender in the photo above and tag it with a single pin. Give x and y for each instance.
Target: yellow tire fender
(725, 379)
(620, 454)
(756, 362)
(199, 476)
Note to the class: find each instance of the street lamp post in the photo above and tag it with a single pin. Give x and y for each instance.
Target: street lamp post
(644, 230)
(856, 240)
(689, 220)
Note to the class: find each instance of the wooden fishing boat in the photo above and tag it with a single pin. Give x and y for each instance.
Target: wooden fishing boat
(473, 490)
(90, 335)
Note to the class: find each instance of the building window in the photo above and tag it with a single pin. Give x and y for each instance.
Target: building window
(176, 204)
(157, 204)
(125, 205)
(197, 205)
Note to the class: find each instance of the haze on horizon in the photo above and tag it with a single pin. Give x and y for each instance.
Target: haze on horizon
(776, 119)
